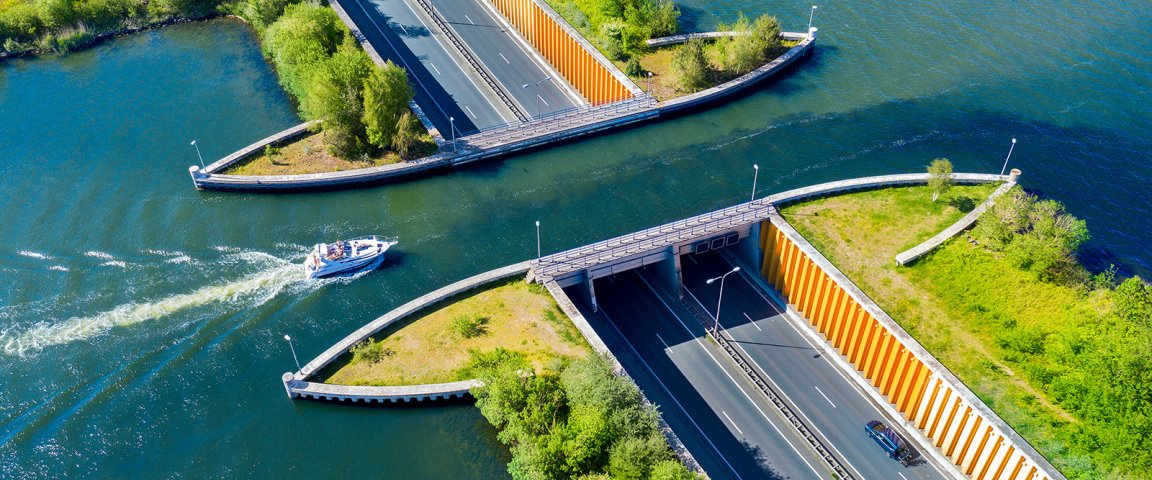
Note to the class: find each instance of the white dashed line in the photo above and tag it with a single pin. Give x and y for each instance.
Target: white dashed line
(469, 19)
(433, 65)
(470, 112)
(753, 322)
(505, 58)
(825, 396)
(902, 476)
(733, 423)
(666, 347)
(543, 100)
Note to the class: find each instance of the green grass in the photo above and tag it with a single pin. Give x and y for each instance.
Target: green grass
(427, 348)
(1024, 346)
(308, 154)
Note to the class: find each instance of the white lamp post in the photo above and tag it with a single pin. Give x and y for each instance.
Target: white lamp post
(755, 176)
(537, 239)
(290, 347)
(538, 97)
(811, 14)
(1005, 167)
(452, 126)
(716, 329)
(202, 167)
(649, 83)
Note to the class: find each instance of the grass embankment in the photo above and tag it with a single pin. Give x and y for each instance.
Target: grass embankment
(427, 348)
(1059, 362)
(308, 154)
(665, 85)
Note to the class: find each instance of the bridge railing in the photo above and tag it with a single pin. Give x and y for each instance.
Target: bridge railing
(556, 121)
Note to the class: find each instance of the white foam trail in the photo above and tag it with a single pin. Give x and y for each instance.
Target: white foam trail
(164, 253)
(99, 254)
(31, 254)
(180, 259)
(257, 289)
(114, 263)
(59, 268)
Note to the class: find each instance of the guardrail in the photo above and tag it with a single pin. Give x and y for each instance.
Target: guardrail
(777, 401)
(471, 58)
(556, 122)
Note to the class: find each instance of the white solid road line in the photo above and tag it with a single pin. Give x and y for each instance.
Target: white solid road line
(825, 396)
(666, 347)
(543, 100)
(753, 322)
(505, 58)
(433, 65)
(469, 19)
(733, 380)
(669, 393)
(737, 427)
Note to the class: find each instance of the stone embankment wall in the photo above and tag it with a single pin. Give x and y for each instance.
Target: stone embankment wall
(952, 419)
(919, 250)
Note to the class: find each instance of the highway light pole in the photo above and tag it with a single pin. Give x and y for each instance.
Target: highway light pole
(755, 176)
(452, 126)
(202, 167)
(649, 83)
(716, 328)
(810, 15)
(538, 97)
(290, 347)
(1005, 167)
(537, 240)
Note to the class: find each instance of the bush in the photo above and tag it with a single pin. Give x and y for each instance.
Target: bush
(939, 177)
(748, 49)
(622, 26)
(470, 326)
(690, 68)
(370, 351)
(386, 95)
(633, 68)
(1036, 235)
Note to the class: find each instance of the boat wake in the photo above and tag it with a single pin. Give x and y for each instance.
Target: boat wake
(252, 290)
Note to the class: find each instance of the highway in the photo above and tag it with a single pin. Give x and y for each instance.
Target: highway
(443, 83)
(828, 401)
(728, 425)
(508, 60)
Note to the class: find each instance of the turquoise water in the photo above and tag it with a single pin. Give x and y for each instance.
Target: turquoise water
(141, 320)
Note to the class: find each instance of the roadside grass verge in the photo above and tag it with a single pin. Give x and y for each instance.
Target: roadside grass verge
(1053, 360)
(433, 346)
(308, 154)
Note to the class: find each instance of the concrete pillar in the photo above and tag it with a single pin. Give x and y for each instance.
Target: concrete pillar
(749, 247)
(591, 291)
(679, 273)
(1013, 175)
(287, 378)
(196, 174)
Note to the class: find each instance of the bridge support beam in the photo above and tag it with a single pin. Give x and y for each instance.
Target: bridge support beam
(591, 291)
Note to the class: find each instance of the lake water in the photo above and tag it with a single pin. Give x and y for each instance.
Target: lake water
(141, 320)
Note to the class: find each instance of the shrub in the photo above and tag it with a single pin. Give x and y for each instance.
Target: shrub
(370, 351)
(690, 67)
(386, 95)
(633, 68)
(470, 326)
(939, 177)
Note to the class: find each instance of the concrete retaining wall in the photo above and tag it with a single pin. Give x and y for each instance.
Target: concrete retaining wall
(684, 37)
(257, 148)
(916, 252)
(296, 384)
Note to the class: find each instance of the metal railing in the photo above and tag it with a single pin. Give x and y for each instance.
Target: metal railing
(556, 121)
(472, 60)
(753, 375)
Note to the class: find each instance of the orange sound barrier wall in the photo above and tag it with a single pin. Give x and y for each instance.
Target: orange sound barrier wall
(978, 448)
(579, 67)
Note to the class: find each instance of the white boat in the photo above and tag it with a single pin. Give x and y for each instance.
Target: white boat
(345, 256)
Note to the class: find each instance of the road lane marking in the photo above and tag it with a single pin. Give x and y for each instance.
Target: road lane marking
(733, 423)
(666, 347)
(543, 100)
(469, 19)
(825, 396)
(753, 322)
(505, 58)
(669, 393)
(902, 475)
(729, 375)
(433, 65)
(690, 257)
(470, 112)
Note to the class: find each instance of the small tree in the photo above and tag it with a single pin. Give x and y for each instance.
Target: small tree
(690, 66)
(386, 97)
(939, 177)
(406, 133)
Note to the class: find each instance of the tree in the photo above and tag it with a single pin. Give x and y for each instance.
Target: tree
(335, 99)
(386, 96)
(299, 44)
(634, 458)
(406, 134)
(939, 177)
(690, 67)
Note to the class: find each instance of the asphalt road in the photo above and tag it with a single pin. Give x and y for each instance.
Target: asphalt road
(830, 403)
(727, 424)
(444, 85)
(506, 58)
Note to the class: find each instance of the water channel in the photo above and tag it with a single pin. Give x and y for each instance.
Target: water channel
(141, 320)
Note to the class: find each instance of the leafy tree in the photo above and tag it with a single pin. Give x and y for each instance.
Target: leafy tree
(634, 458)
(939, 177)
(749, 49)
(335, 99)
(300, 42)
(690, 67)
(407, 130)
(671, 470)
(259, 13)
(386, 96)
(1133, 300)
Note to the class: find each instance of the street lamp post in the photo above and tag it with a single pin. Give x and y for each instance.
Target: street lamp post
(649, 83)
(716, 328)
(201, 157)
(755, 176)
(452, 126)
(1005, 167)
(290, 347)
(811, 14)
(537, 240)
(538, 97)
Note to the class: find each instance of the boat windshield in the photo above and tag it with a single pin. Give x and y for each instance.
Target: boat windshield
(334, 251)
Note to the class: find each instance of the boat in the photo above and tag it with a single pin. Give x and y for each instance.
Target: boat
(345, 256)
